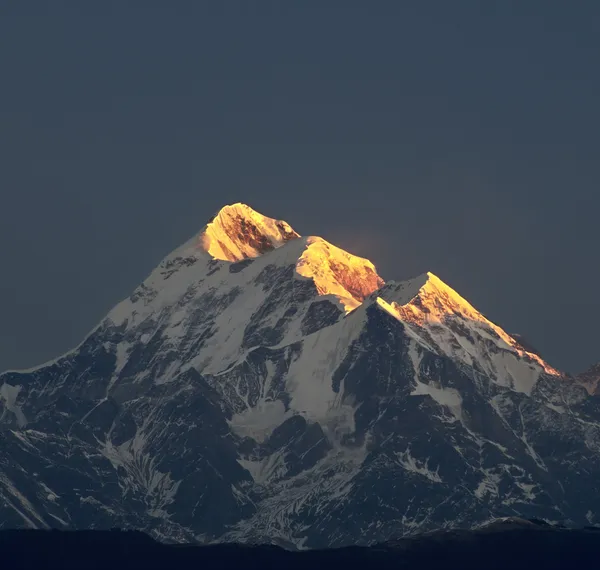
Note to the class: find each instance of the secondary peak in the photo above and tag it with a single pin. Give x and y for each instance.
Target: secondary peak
(428, 302)
(238, 232)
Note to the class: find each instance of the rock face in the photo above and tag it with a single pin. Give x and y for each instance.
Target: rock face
(262, 386)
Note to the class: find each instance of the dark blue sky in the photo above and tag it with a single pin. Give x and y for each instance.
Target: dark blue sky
(457, 137)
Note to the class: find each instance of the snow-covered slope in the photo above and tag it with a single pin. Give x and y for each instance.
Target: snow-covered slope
(446, 323)
(260, 385)
(220, 288)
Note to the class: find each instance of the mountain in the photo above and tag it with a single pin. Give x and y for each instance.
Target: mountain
(591, 379)
(518, 544)
(260, 386)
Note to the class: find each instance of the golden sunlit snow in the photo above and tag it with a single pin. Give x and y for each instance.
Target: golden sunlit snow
(436, 301)
(337, 272)
(238, 232)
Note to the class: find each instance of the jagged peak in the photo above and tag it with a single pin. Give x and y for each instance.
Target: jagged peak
(336, 272)
(238, 232)
(427, 300)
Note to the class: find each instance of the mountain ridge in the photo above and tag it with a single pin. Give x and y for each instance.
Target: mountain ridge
(590, 379)
(261, 398)
(313, 254)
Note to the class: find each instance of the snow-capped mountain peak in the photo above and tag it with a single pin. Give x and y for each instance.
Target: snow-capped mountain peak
(219, 258)
(259, 385)
(238, 232)
(442, 320)
(336, 272)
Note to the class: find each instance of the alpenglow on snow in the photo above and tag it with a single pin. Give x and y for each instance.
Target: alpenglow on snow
(260, 386)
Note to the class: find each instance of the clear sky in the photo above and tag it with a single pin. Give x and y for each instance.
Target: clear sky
(458, 137)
